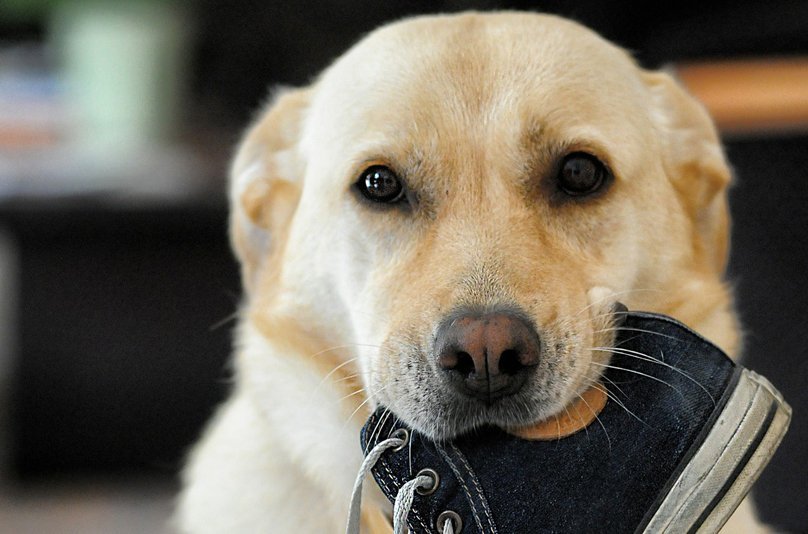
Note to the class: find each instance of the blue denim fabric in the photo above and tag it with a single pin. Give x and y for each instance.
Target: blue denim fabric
(587, 482)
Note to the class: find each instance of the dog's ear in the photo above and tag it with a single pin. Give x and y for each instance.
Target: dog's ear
(695, 163)
(266, 180)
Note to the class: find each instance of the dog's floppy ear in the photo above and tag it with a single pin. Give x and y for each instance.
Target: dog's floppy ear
(695, 163)
(266, 179)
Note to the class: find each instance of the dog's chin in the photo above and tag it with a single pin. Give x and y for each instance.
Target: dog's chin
(452, 418)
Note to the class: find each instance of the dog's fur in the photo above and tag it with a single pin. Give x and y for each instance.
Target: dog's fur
(343, 298)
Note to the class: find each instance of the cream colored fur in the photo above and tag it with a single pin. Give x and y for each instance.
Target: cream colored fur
(342, 299)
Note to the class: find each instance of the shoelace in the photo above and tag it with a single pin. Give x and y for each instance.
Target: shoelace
(404, 497)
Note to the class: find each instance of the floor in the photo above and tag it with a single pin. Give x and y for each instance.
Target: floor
(108, 506)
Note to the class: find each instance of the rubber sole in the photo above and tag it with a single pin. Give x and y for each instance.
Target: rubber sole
(729, 460)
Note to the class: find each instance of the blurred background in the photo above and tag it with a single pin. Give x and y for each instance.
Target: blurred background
(117, 286)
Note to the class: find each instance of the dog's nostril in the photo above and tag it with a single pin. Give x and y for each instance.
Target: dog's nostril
(509, 363)
(465, 363)
(457, 360)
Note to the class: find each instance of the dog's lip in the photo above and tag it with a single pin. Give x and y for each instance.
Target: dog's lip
(500, 413)
(496, 390)
(495, 406)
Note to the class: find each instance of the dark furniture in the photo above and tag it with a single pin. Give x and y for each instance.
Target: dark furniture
(122, 332)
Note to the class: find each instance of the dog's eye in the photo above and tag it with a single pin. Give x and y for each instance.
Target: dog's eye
(380, 184)
(581, 174)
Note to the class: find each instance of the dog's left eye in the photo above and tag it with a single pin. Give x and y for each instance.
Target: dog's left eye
(581, 174)
(380, 184)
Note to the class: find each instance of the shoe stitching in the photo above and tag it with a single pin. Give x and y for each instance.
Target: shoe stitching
(459, 476)
(483, 500)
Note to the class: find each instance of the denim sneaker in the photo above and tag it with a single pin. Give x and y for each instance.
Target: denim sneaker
(680, 441)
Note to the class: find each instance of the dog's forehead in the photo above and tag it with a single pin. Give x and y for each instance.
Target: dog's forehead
(476, 77)
(474, 58)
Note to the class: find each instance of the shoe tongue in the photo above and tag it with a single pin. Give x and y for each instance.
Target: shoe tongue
(577, 415)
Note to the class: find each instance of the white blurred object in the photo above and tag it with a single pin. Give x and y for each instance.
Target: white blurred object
(124, 64)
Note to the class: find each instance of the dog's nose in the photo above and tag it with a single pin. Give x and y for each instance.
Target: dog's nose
(487, 356)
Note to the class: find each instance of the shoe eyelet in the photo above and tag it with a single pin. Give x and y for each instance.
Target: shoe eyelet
(431, 473)
(403, 435)
(452, 517)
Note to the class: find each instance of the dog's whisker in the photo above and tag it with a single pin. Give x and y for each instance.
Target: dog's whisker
(612, 382)
(648, 358)
(613, 397)
(375, 427)
(558, 426)
(383, 420)
(349, 395)
(409, 450)
(379, 424)
(608, 315)
(386, 418)
(354, 376)
(220, 323)
(347, 377)
(356, 410)
(345, 346)
(630, 329)
(334, 370)
(578, 411)
(606, 432)
(633, 371)
(368, 399)
(627, 340)
(611, 296)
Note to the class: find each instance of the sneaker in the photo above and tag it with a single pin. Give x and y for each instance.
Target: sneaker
(684, 434)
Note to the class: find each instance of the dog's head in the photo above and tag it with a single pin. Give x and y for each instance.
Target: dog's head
(462, 200)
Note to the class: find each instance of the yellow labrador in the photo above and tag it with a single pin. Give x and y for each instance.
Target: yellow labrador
(476, 179)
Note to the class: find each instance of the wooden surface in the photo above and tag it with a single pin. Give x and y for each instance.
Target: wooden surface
(126, 505)
(751, 95)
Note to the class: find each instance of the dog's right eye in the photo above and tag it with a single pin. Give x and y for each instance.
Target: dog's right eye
(380, 184)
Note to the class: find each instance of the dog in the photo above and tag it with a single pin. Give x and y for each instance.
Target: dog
(454, 193)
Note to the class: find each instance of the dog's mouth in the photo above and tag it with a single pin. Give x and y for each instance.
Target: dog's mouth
(442, 417)
(460, 387)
